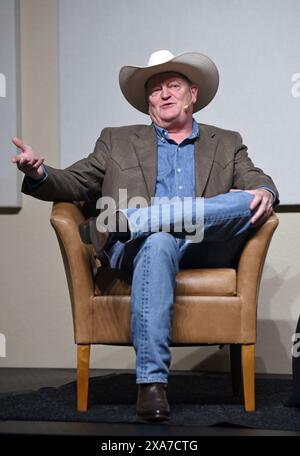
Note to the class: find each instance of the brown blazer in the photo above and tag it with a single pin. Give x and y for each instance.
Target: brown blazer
(126, 157)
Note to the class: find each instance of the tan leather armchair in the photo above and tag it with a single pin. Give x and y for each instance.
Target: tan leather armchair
(212, 306)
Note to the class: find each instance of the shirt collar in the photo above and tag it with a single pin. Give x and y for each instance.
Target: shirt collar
(162, 133)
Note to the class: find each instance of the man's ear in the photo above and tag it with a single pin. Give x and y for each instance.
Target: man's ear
(194, 92)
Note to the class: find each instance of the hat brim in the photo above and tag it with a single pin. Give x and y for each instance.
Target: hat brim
(198, 68)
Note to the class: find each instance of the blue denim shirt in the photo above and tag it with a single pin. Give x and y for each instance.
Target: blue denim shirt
(175, 164)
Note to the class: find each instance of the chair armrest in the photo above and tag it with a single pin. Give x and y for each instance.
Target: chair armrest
(78, 262)
(249, 272)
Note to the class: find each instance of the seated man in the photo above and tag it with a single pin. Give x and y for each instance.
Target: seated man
(173, 157)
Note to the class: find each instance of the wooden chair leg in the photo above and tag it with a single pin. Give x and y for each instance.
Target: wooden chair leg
(248, 367)
(236, 368)
(83, 362)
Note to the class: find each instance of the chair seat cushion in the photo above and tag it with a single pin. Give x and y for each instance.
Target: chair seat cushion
(206, 282)
(189, 282)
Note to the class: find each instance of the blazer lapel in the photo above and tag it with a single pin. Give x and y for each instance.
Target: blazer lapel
(205, 149)
(145, 145)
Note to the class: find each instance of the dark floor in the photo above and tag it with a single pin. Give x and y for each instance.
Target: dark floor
(26, 379)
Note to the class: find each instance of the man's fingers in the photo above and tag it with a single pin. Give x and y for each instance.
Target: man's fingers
(26, 160)
(263, 211)
(256, 200)
(32, 160)
(260, 211)
(263, 218)
(260, 221)
(22, 146)
(262, 203)
(23, 160)
(19, 143)
(38, 163)
(15, 158)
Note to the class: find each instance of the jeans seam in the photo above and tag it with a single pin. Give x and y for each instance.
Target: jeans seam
(227, 217)
(145, 310)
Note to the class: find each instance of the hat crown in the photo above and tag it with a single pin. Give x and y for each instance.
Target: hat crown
(159, 57)
(198, 68)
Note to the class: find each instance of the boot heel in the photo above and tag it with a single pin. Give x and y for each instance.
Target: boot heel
(84, 231)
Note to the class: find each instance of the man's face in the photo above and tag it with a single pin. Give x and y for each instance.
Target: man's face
(170, 99)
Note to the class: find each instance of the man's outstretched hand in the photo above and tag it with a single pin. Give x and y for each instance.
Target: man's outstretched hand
(28, 162)
(262, 203)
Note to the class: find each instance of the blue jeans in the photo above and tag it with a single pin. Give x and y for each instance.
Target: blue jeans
(154, 258)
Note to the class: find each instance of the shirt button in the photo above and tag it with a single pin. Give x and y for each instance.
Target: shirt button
(179, 169)
(180, 187)
(178, 148)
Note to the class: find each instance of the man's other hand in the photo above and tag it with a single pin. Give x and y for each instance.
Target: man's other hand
(262, 203)
(28, 162)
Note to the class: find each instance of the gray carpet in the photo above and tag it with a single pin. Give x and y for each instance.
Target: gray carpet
(201, 400)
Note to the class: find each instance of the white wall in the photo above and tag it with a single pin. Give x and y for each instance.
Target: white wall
(255, 45)
(35, 313)
(10, 195)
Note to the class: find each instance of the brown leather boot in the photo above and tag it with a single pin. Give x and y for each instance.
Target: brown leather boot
(101, 240)
(152, 402)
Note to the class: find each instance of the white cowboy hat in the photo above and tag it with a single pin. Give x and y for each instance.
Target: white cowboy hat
(198, 68)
